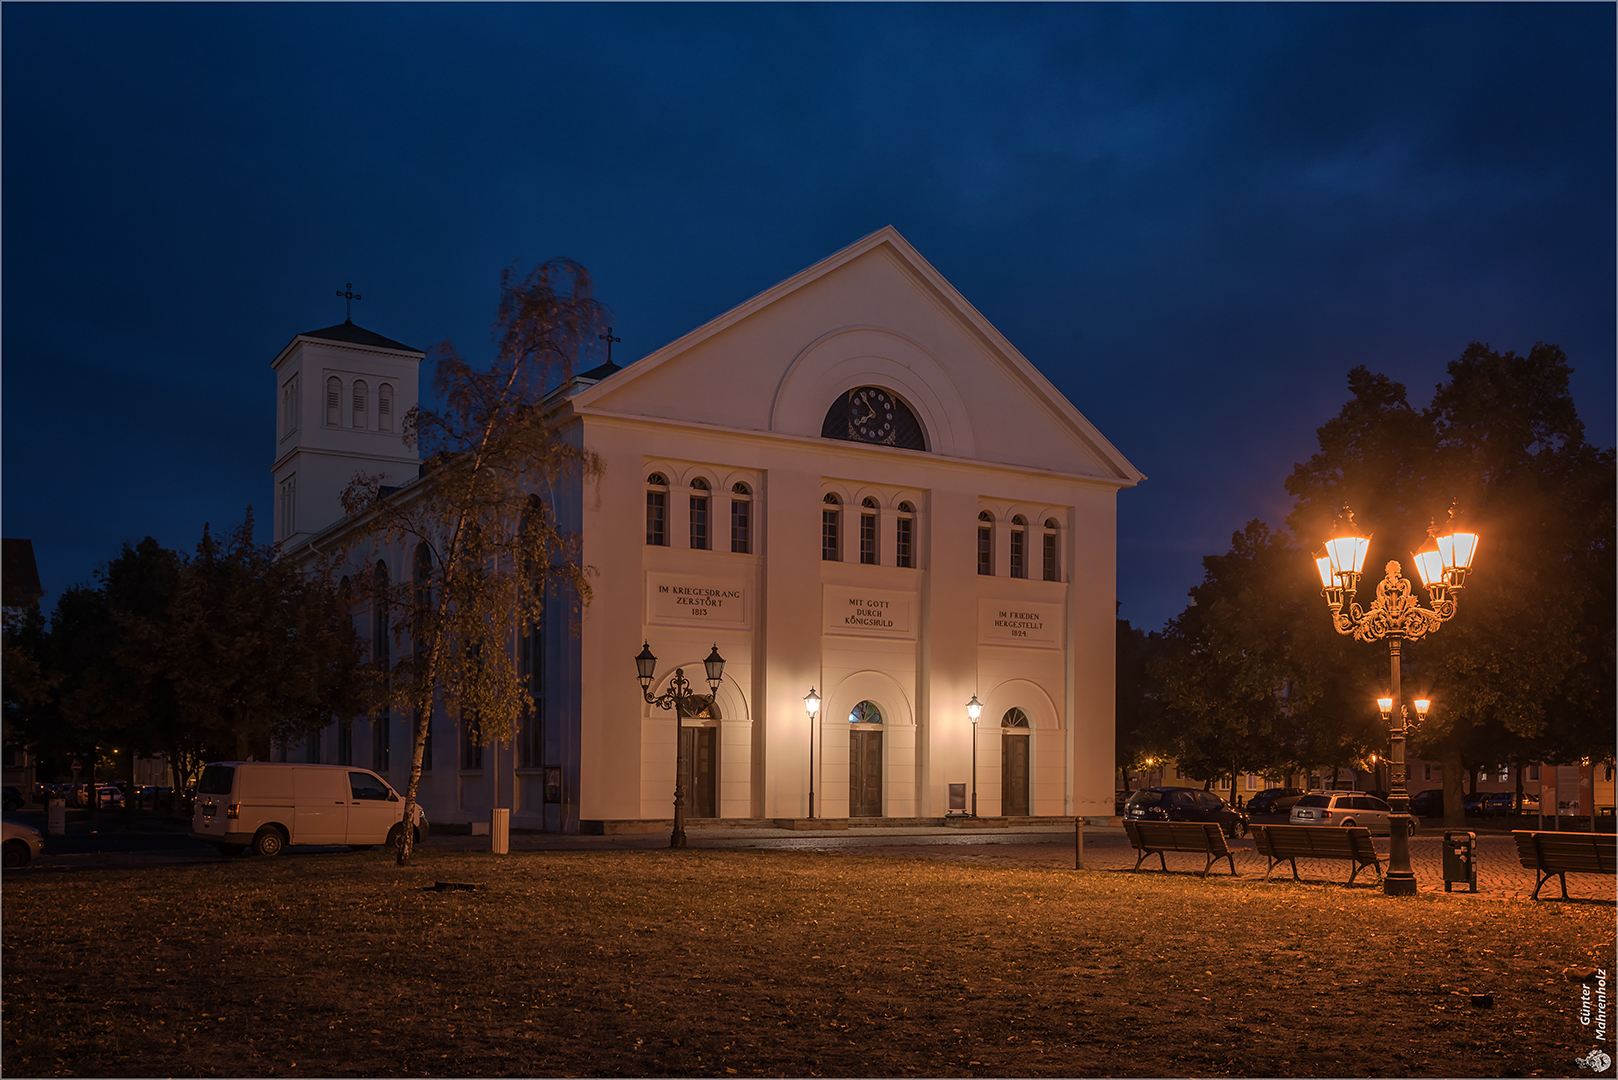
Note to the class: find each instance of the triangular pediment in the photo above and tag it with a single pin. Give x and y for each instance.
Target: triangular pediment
(875, 313)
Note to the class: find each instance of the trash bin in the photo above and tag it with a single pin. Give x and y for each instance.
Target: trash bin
(1461, 860)
(56, 815)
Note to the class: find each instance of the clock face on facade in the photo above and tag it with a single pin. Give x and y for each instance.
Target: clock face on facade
(870, 415)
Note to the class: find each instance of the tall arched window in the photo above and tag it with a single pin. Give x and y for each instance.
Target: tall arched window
(868, 514)
(830, 518)
(359, 405)
(1053, 570)
(1019, 554)
(334, 401)
(741, 519)
(986, 543)
(699, 514)
(904, 538)
(657, 510)
(384, 407)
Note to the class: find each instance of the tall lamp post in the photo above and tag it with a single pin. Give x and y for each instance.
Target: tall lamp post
(974, 709)
(679, 698)
(1442, 564)
(811, 705)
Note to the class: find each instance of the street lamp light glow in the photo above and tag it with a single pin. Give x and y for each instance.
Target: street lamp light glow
(811, 701)
(1386, 705)
(1422, 705)
(974, 708)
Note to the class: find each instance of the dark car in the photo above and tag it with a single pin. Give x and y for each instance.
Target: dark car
(1275, 800)
(1185, 804)
(11, 799)
(1429, 803)
(1473, 803)
(1508, 803)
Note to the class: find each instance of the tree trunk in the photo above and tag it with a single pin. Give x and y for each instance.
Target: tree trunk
(1454, 801)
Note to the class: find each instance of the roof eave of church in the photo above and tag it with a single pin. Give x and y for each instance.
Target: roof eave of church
(347, 333)
(1086, 432)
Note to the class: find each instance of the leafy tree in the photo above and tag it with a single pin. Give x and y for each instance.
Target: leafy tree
(1251, 680)
(214, 655)
(1141, 738)
(487, 549)
(1530, 652)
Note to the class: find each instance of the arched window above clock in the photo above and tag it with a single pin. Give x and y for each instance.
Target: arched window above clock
(871, 414)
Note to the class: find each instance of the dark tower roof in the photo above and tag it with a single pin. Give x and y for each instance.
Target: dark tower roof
(357, 335)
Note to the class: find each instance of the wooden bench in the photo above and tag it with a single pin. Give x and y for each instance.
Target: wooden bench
(1562, 853)
(1201, 837)
(1289, 843)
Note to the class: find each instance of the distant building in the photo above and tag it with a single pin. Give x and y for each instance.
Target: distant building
(851, 482)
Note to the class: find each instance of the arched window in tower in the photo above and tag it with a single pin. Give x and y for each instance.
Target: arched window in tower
(904, 538)
(699, 515)
(986, 543)
(872, 414)
(384, 407)
(334, 401)
(831, 517)
(868, 516)
(741, 519)
(358, 422)
(1019, 553)
(1053, 570)
(657, 510)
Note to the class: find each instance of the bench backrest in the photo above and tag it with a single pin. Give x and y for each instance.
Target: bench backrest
(1579, 852)
(1319, 841)
(1176, 836)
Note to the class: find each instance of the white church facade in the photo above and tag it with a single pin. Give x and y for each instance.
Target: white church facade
(851, 482)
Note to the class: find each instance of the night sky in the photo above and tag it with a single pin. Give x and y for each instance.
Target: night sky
(1193, 219)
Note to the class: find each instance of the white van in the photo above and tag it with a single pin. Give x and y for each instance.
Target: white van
(266, 805)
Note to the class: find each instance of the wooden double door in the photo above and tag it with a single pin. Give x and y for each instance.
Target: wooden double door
(699, 760)
(864, 773)
(1014, 775)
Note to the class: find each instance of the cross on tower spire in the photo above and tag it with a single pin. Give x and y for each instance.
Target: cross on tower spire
(350, 296)
(609, 339)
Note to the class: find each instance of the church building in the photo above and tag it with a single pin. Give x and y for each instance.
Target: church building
(850, 483)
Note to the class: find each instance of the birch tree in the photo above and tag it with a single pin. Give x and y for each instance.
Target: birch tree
(483, 547)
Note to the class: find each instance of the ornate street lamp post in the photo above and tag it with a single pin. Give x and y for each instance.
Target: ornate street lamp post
(1395, 615)
(679, 698)
(811, 705)
(974, 709)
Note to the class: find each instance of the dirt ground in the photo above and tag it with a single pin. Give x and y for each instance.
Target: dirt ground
(725, 963)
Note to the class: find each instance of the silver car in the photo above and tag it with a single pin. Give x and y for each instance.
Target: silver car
(1343, 809)
(20, 844)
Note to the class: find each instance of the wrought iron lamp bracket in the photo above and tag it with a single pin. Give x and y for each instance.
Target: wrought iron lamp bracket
(679, 695)
(1394, 613)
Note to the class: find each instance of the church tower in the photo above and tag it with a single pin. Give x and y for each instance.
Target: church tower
(342, 394)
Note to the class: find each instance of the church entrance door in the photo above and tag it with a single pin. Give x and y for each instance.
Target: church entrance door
(864, 773)
(699, 752)
(1014, 775)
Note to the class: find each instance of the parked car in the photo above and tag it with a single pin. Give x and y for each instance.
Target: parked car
(266, 806)
(1185, 804)
(1343, 809)
(1275, 800)
(1508, 803)
(1429, 803)
(11, 799)
(19, 845)
(1473, 803)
